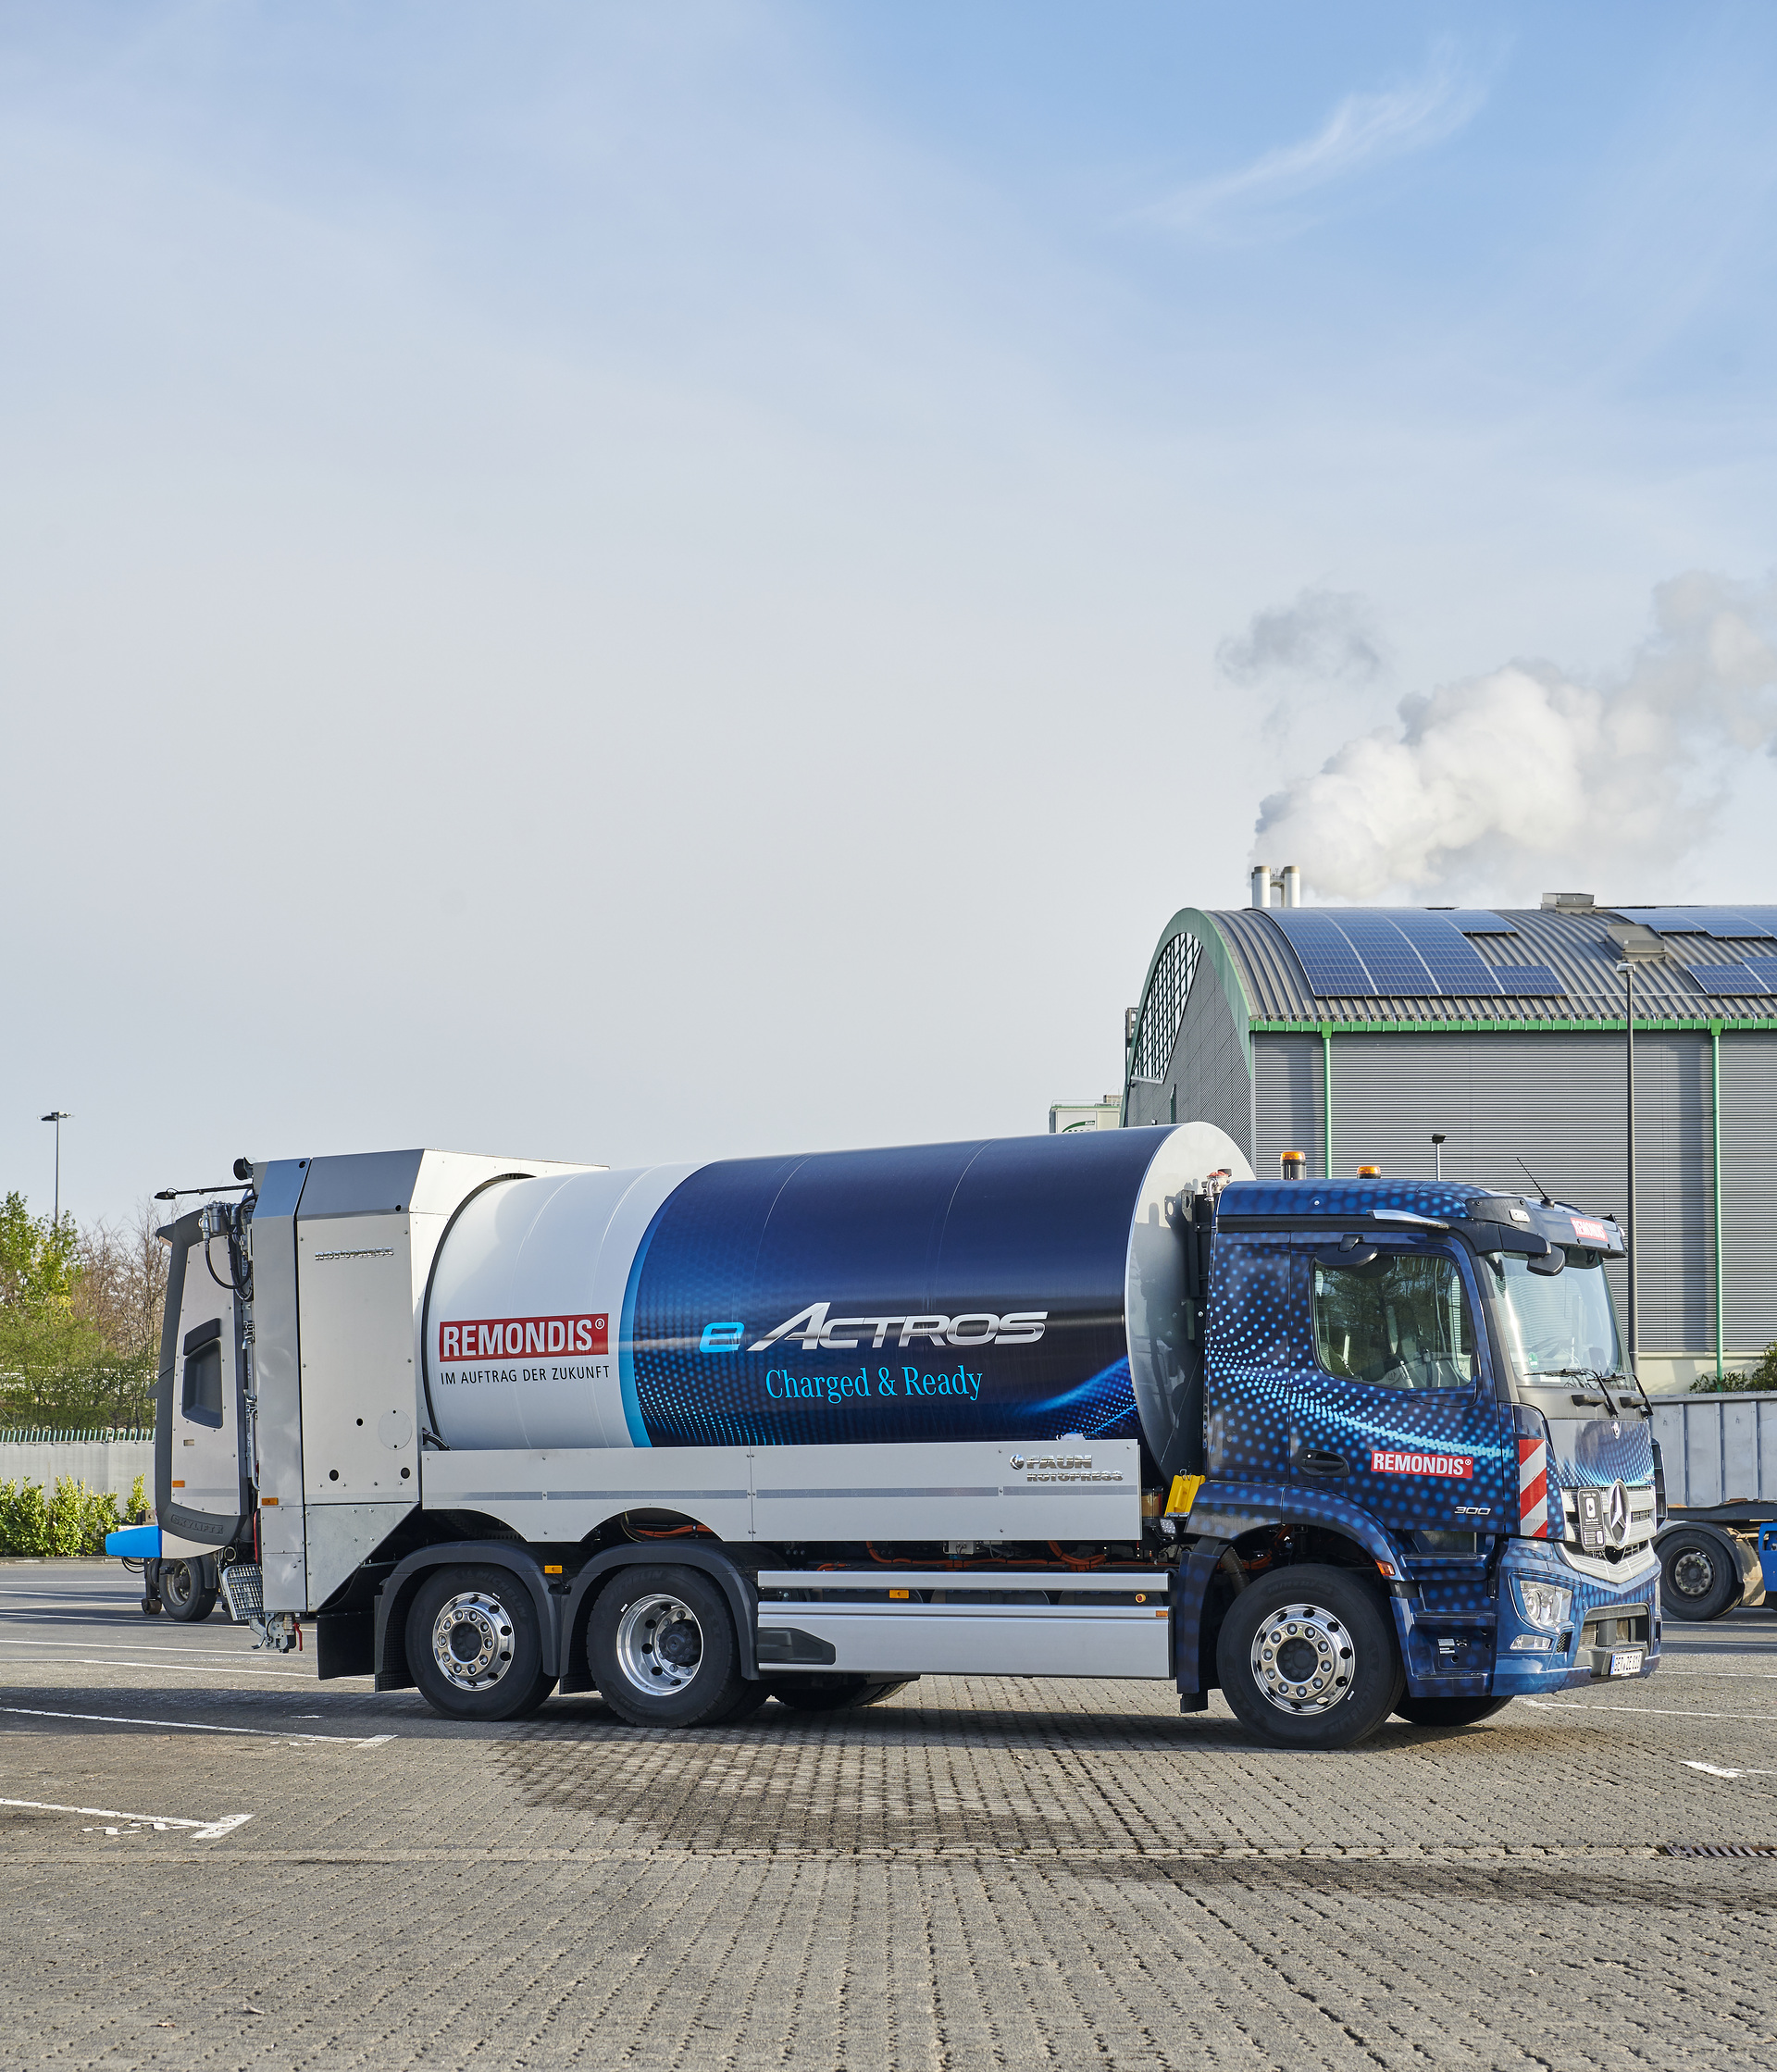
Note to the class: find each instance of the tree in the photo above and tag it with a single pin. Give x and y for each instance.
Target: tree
(80, 1319)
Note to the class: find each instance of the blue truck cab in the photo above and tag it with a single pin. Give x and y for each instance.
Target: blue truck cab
(1418, 1388)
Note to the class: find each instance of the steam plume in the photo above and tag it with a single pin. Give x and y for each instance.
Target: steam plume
(1487, 786)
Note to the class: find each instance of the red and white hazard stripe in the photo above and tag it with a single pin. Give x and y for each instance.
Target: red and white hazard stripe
(1533, 1488)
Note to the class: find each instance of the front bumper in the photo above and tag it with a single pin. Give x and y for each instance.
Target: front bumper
(1614, 1616)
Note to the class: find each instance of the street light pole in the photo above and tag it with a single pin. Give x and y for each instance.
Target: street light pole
(1437, 1150)
(58, 1116)
(1636, 944)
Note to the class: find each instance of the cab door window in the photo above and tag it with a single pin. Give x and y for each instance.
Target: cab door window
(200, 1399)
(1401, 1320)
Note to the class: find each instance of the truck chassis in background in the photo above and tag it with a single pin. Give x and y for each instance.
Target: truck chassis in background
(1718, 1551)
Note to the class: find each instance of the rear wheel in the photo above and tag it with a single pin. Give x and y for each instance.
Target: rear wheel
(475, 1645)
(1700, 1578)
(836, 1693)
(663, 1651)
(1449, 1712)
(1308, 1659)
(184, 1592)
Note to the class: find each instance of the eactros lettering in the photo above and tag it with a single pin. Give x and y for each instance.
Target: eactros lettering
(815, 1329)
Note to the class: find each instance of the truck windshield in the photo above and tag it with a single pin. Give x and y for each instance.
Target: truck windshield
(1556, 1324)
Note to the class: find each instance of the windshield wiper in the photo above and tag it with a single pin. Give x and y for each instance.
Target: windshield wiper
(1591, 1374)
(1646, 1402)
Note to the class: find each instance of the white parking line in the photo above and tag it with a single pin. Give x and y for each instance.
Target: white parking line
(168, 1647)
(1715, 1769)
(198, 1727)
(183, 1669)
(199, 1830)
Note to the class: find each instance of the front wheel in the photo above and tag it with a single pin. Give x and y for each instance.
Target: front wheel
(184, 1592)
(662, 1650)
(475, 1645)
(1449, 1712)
(1308, 1659)
(1698, 1578)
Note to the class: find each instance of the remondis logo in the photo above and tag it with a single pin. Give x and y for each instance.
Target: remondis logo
(816, 1330)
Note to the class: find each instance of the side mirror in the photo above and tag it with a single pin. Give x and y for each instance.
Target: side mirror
(1549, 1263)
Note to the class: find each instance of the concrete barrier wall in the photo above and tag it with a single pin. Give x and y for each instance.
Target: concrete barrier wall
(101, 1464)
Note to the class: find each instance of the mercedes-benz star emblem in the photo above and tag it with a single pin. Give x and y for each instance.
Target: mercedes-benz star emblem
(1617, 1513)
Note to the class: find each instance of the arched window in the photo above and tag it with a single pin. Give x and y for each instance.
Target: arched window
(1168, 992)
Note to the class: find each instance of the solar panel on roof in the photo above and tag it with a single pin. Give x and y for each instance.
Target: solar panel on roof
(1527, 979)
(1389, 957)
(1729, 978)
(1329, 963)
(1454, 963)
(1727, 924)
(1764, 968)
(1475, 921)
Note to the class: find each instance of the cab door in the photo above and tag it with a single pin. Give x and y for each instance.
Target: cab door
(1398, 1411)
(203, 1494)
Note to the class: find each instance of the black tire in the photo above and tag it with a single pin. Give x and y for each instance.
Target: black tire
(1349, 1677)
(1699, 1579)
(184, 1592)
(753, 1696)
(1449, 1712)
(836, 1693)
(484, 1624)
(663, 1651)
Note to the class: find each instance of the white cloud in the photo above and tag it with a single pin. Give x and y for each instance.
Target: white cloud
(1488, 786)
(1324, 634)
(1365, 129)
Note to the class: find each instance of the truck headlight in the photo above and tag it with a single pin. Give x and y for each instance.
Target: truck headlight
(1544, 1605)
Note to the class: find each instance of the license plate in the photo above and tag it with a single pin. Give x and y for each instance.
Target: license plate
(1627, 1661)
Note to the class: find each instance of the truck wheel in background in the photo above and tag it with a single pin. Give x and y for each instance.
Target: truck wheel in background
(184, 1591)
(661, 1646)
(1449, 1712)
(1699, 1577)
(834, 1693)
(1308, 1659)
(474, 1645)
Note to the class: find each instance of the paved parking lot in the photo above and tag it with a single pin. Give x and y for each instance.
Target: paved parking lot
(220, 1862)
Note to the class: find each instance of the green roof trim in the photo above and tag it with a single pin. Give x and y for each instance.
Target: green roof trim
(1543, 1026)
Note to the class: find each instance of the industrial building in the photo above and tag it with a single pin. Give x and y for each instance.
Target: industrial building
(1364, 1034)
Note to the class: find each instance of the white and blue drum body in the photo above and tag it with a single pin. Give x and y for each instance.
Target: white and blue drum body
(1021, 1291)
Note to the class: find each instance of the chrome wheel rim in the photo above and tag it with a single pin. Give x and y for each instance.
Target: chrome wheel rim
(1303, 1658)
(659, 1644)
(473, 1641)
(1693, 1573)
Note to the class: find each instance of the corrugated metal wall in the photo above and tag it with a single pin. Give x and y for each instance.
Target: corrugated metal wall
(1557, 1101)
(1286, 1096)
(1749, 1189)
(1205, 1079)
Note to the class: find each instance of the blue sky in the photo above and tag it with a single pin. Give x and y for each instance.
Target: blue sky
(623, 583)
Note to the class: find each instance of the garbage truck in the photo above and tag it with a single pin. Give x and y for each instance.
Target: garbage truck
(803, 1429)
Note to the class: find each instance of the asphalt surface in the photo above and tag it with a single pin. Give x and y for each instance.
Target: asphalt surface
(224, 1864)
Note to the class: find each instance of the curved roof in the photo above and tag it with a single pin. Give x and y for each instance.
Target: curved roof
(1462, 968)
(1572, 946)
